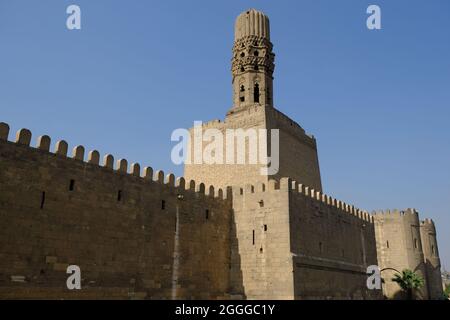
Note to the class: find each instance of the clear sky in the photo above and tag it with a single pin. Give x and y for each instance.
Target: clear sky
(378, 102)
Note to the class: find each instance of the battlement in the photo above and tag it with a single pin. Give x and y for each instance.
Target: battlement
(212, 124)
(427, 222)
(245, 110)
(217, 123)
(395, 213)
(23, 138)
(284, 121)
(409, 211)
(286, 184)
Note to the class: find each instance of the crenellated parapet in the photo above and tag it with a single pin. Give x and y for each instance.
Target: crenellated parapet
(429, 223)
(396, 212)
(297, 189)
(121, 166)
(406, 217)
(133, 231)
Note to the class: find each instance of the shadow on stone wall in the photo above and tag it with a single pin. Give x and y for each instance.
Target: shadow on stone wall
(236, 281)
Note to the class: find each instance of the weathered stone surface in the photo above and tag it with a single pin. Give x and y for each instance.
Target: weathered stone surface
(268, 237)
(44, 143)
(112, 241)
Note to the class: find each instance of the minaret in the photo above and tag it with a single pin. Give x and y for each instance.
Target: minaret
(253, 61)
(253, 108)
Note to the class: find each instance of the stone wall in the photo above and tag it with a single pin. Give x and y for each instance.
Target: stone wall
(131, 235)
(223, 175)
(298, 157)
(432, 261)
(298, 151)
(297, 243)
(400, 247)
(263, 245)
(332, 244)
(142, 235)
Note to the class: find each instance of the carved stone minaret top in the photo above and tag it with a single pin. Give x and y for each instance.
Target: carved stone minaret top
(253, 60)
(252, 23)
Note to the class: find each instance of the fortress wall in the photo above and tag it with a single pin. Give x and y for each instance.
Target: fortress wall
(332, 245)
(432, 261)
(223, 175)
(58, 210)
(298, 151)
(298, 157)
(306, 245)
(262, 251)
(399, 247)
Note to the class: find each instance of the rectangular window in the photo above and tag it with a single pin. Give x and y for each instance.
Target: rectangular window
(207, 214)
(71, 185)
(42, 199)
(119, 195)
(163, 205)
(253, 237)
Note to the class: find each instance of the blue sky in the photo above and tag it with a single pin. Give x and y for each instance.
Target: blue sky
(378, 102)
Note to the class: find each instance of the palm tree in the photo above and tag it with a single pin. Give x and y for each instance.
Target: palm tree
(408, 282)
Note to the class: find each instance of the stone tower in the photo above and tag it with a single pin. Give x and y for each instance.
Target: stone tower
(253, 61)
(253, 109)
(400, 246)
(431, 257)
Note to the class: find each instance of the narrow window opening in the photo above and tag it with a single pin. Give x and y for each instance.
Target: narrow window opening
(163, 205)
(242, 69)
(207, 214)
(42, 199)
(261, 250)
(387, 244)
(261, 203)
(432, 249)
(242, 94)
(256, 67)
(256, 53)
(320, 247)
(253, 237)
(242, 54)
(415, 243)
(265, 227)
(256, 93)
(119, 195)
(71, 185)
